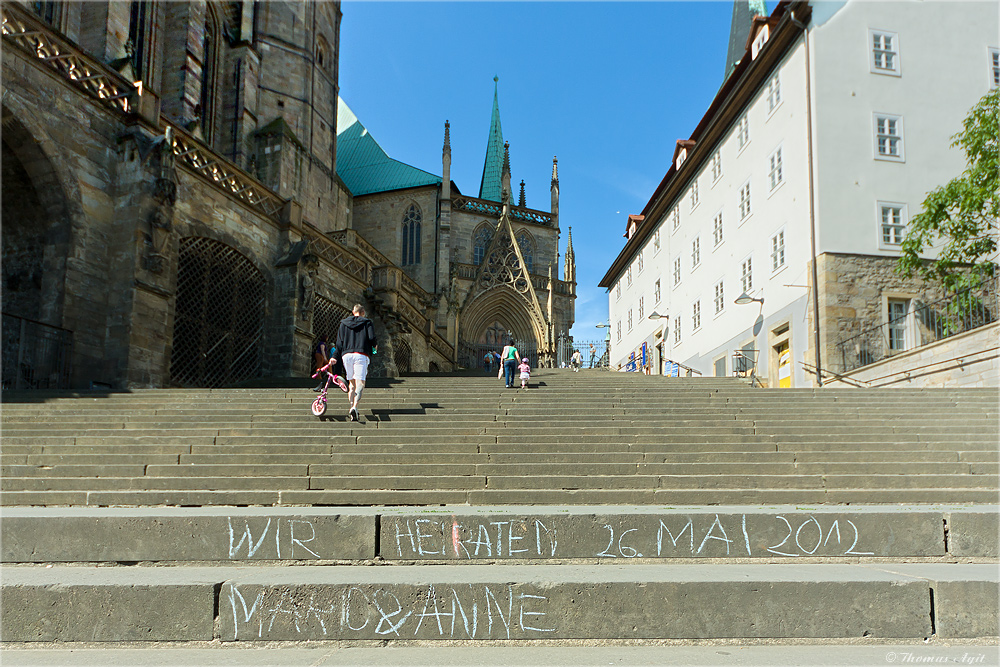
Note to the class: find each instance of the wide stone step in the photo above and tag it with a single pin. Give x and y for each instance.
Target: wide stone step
(259, 535)
(391, 497)
(432, 602)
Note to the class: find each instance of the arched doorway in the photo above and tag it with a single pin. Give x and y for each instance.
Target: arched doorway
(36, 228)
(219, 316)
(36, 234)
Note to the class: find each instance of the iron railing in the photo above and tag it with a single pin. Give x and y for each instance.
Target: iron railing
(921, 324)
(594, 352)
(35, 355)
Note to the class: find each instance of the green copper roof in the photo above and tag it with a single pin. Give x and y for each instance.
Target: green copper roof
(489, 188)
(363, 165)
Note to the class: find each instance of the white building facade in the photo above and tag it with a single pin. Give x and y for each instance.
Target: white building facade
(821, 144)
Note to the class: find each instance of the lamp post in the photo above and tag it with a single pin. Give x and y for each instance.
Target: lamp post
(607, 340)
(659, 362)
(742, 300)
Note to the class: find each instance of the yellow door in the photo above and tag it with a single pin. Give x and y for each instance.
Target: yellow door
(784, 366)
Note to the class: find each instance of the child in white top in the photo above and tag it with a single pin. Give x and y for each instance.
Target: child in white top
(525, 369)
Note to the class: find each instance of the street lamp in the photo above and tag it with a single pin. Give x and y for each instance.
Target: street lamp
(655, 316)
(744, 299)
(607, 342)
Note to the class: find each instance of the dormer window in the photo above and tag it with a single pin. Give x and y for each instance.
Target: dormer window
(681, 156)
(759, 41)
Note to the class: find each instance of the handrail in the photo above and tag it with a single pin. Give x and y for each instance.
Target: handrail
(932, 322)
(680, 365)
(59, 54)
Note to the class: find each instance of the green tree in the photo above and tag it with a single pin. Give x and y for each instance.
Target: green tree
(962, 215)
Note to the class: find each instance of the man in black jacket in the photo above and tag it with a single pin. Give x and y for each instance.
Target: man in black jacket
(356, 344)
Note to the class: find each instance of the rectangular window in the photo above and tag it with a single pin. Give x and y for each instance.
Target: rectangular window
(619, 329)
(885, 52)
(773, 93)
(694, 195)
(618, 290)
(720, 298)
(656, 241)
(628, 277)
(696, 316)
(677, 330)
(743, 131)
(745, 201)
(893, 223)
(630, 320)
(716, 166)
(778, 250)
(775, 174)
(717, 228)
(896, 319)
(746, 275)
(695, 252)
(656, 292)
(888, 137)
(994, 68)
(638, 262)
(642, 307)
(677, 271)
(676, 217)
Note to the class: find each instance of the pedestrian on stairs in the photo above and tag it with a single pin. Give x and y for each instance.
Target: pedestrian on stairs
(321, 357)
(525, 369)
(576, 360)
(488, 362)
(356, 343)
(511, 358)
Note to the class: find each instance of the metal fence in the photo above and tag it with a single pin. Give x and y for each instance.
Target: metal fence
(35, 355)
(594, 352)
(921, 324)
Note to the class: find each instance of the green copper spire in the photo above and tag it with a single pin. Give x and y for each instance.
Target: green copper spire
(739, 31)
(489, 188)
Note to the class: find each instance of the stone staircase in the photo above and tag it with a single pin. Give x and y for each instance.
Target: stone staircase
(593, 506)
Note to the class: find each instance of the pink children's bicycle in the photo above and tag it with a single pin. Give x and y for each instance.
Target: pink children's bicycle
(319, 405)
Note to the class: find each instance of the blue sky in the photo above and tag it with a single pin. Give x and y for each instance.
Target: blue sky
(608, 87)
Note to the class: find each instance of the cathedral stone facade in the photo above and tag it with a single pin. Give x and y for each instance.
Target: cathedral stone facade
(175, 211)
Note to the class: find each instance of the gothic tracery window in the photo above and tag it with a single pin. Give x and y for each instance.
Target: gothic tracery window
(481, 241)
(209, 74)
(411, 236)
(527, 249)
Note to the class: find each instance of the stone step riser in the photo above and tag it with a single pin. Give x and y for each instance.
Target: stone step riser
(495, 603)
(255, 536)
(597, 468)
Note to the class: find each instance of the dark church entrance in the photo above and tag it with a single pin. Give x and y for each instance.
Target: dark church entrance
(219, 321)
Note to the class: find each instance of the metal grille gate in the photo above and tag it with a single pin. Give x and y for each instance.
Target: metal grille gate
(326, 319)
(219, 320)
(471, 354)
(401, 355)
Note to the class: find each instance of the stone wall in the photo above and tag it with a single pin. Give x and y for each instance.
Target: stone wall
(970, 359)
(853, 296)
(379, 218)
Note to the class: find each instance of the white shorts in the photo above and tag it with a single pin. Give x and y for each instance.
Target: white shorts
(356, 366)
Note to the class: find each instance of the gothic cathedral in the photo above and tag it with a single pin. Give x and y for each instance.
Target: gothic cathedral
(188, 202)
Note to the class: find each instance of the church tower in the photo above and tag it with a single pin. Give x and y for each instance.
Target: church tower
(569, 269)
(489, 188)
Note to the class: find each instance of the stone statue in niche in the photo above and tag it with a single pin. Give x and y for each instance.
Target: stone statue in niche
(164, 197)
(308, 293)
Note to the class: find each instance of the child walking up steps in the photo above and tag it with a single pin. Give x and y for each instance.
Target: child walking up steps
(525, 369)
